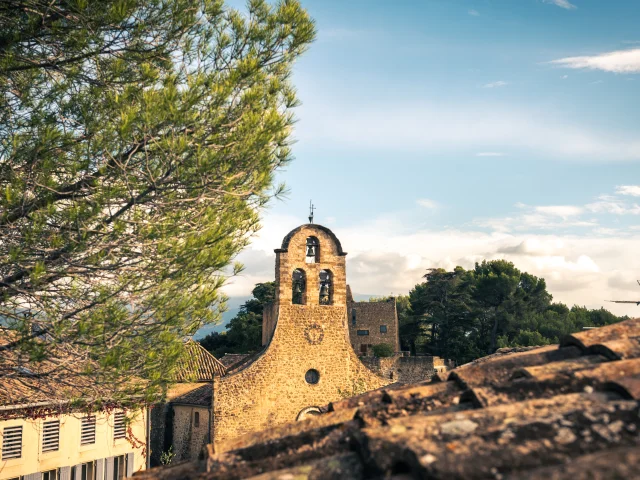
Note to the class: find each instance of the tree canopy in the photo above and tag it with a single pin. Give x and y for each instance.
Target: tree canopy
(138, 143)
(466, 314)
(244, 331)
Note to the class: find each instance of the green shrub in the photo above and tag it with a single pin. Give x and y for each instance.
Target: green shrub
(383, 350)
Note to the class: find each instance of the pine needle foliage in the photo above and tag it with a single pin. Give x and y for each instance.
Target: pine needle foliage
(138, 144)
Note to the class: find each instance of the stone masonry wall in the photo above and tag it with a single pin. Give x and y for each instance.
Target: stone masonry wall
(187, 435)
(269, 315)
(370, 316)
(273, 389)
(406, 369)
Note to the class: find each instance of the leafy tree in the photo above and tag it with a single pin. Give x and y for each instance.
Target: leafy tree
(445, 301)
(244, 331)
(503, 294)
(383, 350)
(138, 143)
(470, 313)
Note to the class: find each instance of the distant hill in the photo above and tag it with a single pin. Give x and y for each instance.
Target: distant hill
(233, 305)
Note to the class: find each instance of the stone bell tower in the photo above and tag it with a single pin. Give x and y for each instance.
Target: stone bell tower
(308, 360)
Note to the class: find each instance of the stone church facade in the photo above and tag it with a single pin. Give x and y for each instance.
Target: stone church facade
(308, 360)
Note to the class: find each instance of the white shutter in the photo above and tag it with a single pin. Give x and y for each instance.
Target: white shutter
(50, 436)
(109, 468)
(32, 476)
(129, 464)
(88, 431)
(65, 473)
(100, 469)
(119, 428)
(12, 442)
(78, 469)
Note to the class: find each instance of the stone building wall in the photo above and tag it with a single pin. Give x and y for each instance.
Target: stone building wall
(269, 315)
(273, 389)
(189, 439)
(406, 369)
(370, 317)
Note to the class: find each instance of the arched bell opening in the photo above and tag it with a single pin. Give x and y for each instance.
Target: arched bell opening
(312, 250)
(298, 287)
(326, 287)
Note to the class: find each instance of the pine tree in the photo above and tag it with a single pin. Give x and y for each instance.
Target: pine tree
(138, 144)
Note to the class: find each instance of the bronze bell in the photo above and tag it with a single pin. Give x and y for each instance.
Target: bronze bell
(311, 251)
(324, 290)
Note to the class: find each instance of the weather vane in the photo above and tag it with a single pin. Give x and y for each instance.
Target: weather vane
(311, 209)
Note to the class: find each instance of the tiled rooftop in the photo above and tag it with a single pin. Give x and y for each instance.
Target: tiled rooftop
(198, 365)
(57, 379)
(568, 411)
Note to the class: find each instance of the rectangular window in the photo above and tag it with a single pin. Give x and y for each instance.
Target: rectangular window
(50, 436)
(12, 442)
(50, 475)
(88, 431)
(196, 419)
(363, 332)
(383, 329)
(84, 471)
(353, 317)
(119, 468)
(119, 426)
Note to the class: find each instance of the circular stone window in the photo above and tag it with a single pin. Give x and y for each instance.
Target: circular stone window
(312, 376)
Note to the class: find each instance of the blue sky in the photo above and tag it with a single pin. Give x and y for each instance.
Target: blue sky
(442, 132)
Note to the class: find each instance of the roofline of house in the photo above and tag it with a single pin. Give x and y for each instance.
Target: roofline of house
(29, 405)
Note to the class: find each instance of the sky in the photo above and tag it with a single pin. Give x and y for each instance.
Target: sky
(438, 133)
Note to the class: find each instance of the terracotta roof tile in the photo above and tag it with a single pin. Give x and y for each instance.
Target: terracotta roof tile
(559, 412)
(58, 379)
(198, 365)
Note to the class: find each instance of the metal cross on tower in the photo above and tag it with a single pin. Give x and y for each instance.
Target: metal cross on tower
(311, 209)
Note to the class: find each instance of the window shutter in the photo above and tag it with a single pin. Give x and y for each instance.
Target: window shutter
(129, 464)
(109, 468)
(65, 473)
(119, 428)
(12, 442)
(78, 469)
(88, 431)
(100, 469)
(33, 476)
(50, 436)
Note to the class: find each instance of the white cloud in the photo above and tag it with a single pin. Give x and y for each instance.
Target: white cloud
(385, 257)
(499, 83)
(428, 204)
(633, 190)
(613, 205)
(562, 4)
(489, 154)
(621, 61)
(532, 221)
(563, 211)
(474, 13)
(479, 127)
(564, 77)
